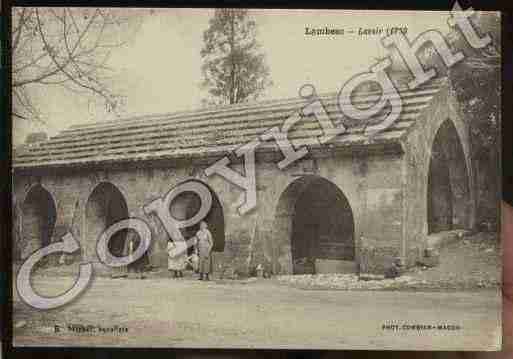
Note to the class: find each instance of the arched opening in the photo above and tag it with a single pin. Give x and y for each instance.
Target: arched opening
(187, 204)
(38, 220)
(314, 221)
(449, 202)
(106, 206)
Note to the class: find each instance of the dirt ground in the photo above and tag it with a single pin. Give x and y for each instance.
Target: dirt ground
(474, 262)
(465, 265)
(261, 314)
(462, 294)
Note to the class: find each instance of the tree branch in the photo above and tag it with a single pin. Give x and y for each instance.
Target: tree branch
(19, 29)
(99, 92)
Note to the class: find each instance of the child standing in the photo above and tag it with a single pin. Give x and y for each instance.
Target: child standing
(176, 260)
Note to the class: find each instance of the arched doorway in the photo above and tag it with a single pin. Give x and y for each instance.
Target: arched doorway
(448, 195)
(188, 203)
(38, 220)
(106, 205)
(314, 221)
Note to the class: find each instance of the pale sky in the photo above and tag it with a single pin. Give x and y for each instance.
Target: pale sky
(159, 70)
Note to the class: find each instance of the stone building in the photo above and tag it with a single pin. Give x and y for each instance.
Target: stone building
(356, 202)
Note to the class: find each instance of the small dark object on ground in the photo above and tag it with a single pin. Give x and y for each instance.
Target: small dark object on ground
(430, 259)
(116, 276)
(367, 277)
(393, 271)
(305, 265)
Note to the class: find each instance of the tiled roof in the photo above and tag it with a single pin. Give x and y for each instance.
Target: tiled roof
(208, 131)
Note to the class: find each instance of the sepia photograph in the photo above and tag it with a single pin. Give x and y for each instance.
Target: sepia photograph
(256, 178)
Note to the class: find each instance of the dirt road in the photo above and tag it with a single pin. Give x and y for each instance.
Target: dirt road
(187, 313)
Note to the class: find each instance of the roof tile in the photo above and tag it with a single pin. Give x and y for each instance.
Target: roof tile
(211, 131)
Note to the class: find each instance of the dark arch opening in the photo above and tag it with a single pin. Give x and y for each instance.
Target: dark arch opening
(187, 204)
(38, 220)
(106, 205)
(448, 192)
(315, 217)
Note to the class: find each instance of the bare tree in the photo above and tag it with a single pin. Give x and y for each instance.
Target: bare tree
(67, 47)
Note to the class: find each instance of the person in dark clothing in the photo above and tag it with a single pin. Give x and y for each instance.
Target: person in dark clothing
(204, 249)
(394, 270)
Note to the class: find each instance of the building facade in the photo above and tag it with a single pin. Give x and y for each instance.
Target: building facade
(353, 204)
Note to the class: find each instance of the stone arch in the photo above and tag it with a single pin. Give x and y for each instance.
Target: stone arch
(187, 204)
(449, 198)
(105, 206)
(38, 217)
(313, 221)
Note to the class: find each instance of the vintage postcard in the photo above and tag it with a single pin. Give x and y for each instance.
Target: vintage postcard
(252, 178)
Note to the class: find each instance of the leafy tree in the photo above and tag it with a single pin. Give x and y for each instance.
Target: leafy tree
(66, 47)
(234, 69)
(477, 81)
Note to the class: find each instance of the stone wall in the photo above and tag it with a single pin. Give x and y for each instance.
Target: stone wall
(418, 147)
(370, 180)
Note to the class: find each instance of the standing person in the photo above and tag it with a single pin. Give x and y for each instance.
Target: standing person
(176, 261)
(193, 259)
(130, 246)
(204, 249)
